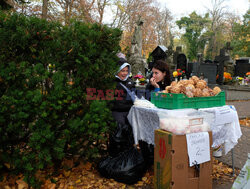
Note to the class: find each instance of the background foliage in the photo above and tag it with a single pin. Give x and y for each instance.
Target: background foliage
(45, 69)
(241, 42)
(159, 26)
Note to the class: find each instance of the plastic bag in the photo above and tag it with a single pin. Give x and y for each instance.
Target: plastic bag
(243, 179)
(147, 151)
(127, 167)
(121, 140)
(180, 125)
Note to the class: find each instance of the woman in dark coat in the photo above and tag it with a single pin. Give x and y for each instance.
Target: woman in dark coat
(160, 78)
(124, 86)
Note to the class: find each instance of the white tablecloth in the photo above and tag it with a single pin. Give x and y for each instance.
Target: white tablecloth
(145, 120)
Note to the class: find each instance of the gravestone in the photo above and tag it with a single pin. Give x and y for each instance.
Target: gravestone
(207, 61)
(176, 54)
(206, 70)
(182, 62)
(242, 66)
(192, 69)
(159, 53)
(180, 59)
(209, 71)
(220, 60)
(135, 58)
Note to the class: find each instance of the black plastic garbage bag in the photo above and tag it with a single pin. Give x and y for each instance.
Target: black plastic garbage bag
(147, 151)
(121, 140)
(127, 167)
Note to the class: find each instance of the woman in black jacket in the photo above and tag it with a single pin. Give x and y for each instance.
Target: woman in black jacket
(124, 86)
(160, 78)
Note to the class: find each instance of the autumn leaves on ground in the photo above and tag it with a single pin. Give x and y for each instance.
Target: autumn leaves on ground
(84, 175)
(77, 175)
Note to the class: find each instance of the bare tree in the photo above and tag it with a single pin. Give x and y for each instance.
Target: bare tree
(162, 26)
(230, 19)
(217, 13)
(101, 5)
(156, 22)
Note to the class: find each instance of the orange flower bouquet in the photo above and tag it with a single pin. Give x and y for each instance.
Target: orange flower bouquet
(227, 77)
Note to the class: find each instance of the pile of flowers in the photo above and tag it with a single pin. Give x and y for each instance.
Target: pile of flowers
(138, 76)
(243, 80)
(141, 79)
(179, 73)
(227, 77)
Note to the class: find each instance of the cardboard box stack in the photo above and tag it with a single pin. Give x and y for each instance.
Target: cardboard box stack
(171, 164)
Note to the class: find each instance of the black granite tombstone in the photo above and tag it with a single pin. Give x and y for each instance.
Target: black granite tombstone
(182, 62)
(192, 69)
(159, 53)
(209, 71)
(242, 66)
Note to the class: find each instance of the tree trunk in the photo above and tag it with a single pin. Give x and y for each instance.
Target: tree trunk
(45, 9)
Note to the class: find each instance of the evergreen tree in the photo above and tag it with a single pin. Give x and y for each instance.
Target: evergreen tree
(195, 28)
(240, 42)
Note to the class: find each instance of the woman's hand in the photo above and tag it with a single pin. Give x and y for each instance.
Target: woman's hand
(153, 82)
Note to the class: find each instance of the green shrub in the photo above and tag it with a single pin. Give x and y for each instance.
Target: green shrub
(45, 69)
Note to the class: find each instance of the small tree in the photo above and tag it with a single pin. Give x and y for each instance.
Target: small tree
(195, 28)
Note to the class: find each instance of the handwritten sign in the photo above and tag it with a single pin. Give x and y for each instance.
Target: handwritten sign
(225, 114)
(198, 148)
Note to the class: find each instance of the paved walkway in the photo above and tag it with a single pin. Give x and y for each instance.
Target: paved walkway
(241, 150)
(242, 108)
(243, 147)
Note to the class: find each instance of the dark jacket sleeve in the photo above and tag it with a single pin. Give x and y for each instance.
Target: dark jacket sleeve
(122, 101)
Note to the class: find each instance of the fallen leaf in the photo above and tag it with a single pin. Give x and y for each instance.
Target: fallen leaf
(87, 166)
(230, 170)
(69, 51)
(7, 165)
(22, 184)
(66, 173)
(78, 181)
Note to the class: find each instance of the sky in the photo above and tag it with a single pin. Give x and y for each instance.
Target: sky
(180, 8)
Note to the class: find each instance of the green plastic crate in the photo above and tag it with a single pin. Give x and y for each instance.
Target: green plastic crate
(181, 101)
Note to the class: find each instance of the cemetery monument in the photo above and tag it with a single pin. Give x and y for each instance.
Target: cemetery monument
(135, 58)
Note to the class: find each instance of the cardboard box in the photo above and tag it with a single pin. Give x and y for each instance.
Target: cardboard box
(171, 164)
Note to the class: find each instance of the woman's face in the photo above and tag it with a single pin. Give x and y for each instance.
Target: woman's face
(123, 73)
(158, 75)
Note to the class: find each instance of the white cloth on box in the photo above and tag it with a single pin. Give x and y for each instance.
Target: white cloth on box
(225, 126)
(145, 120)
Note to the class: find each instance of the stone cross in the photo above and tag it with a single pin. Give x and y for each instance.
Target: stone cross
(135, 58)
(136, 43)
(221, 59)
